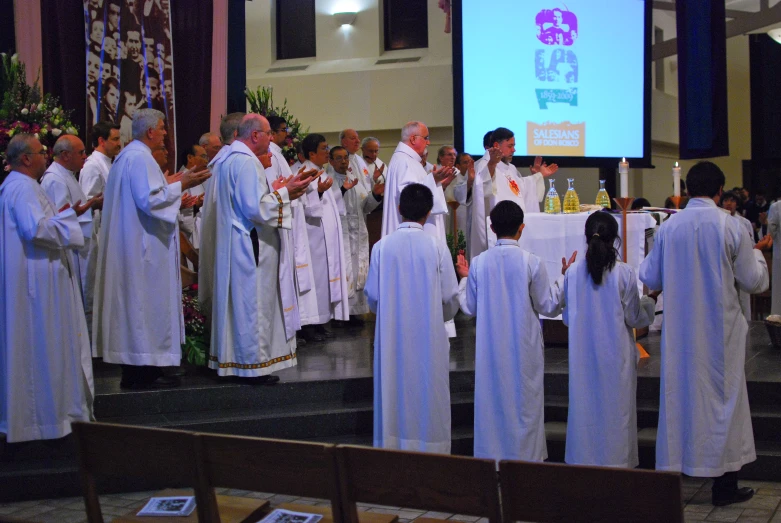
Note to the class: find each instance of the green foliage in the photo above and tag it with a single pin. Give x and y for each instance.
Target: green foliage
(457, 246)
(262, 102)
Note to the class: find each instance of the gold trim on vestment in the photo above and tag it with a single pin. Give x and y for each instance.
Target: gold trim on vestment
(233, 365)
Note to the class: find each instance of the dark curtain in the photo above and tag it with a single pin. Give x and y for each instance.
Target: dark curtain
(765, 60)
(65, 71)
(191, 25)
(64, 56)
(702, 78)
(237, 57)
(7, 34)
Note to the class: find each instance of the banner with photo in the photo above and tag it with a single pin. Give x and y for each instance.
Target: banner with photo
(130, 64)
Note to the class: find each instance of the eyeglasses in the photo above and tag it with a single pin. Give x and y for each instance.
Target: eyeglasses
(283, 130)
(41, 152)
(204, 156)
(421, 136)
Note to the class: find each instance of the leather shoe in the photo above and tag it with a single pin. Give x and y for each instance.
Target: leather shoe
(309, 335)
(734, 496)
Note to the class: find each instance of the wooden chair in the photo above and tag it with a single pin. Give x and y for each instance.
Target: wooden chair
(547, 492)
(453, 484)
(169, 457)
(294, 468)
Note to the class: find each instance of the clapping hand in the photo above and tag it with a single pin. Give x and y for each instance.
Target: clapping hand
(470, 180)
(378, 171)
(280, 182)
(97, 201)
(349, 183)
(765, 244)
(324, 185)
(297, 185)
(81, 209)
(462, 266)
(547, 170)
(566, 264)
(537, 164)
(173, 178)
(195, 178)
(443, 175)
(188, 201)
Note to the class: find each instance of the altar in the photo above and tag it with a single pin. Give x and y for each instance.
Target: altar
(555, 236)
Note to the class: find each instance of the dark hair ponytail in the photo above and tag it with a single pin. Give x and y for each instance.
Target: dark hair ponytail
(601, 236)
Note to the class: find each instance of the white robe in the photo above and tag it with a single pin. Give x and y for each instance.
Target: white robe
(45, 361)
(324, 228)
(745, 298)
(405, 169)
(411, 348)
(138, 288)
(700, 258)
(248, 336)
(458, 191)
(507, 184)
(208, 251)
(774, 229)
(602, 414)
(358, 202)
(62, 188)
(507, 289)
(372, 167)
(189, 219)
(92, 179)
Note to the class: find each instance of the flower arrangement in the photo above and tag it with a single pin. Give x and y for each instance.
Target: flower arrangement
(24, 109)
(262, 102)
(195, 349)
(456, 245)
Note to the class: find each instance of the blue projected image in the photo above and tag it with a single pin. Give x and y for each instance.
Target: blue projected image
(568, 79)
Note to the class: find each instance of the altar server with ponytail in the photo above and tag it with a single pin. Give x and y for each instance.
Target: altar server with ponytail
(602, 305)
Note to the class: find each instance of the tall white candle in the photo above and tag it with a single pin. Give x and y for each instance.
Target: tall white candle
(676, 180)
(623, 171)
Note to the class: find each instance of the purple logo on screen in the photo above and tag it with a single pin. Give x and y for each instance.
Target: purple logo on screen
(556, 27)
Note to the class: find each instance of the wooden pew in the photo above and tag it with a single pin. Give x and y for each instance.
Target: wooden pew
(171, 457)
(294, 468)
(453, 484)
(547, 492)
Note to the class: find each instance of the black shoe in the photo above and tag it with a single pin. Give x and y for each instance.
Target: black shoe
(736, 496)
(322, 331)
(338, 324)
(355, 321)
(268, 379)
(310, 336)
(163, 382)
(174, 371)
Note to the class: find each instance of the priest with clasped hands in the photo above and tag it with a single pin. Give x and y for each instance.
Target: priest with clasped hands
(138, 319)
(46, 371)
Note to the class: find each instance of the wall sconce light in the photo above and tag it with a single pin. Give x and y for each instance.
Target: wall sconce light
(346, 18)
(775, 34)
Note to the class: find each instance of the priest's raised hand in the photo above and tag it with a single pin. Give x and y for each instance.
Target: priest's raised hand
(195, 178)
(443, 175)
(349, 183)
(324, 185)
(297, 184)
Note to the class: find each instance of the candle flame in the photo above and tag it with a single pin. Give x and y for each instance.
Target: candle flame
(676, 164)
(623, 160)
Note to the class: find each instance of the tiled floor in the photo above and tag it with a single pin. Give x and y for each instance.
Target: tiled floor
(762, 508)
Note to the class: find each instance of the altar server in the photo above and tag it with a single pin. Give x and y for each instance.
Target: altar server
(499, 180)
(701, 257)
(138, 290)
(411, 348)
(93, 177)
(507, 289)
(60, 184)
(358, 202)
(248, 335)
(45, 362)
(601, 307)
(324, 228)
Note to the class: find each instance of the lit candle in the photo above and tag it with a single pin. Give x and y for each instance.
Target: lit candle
(623, 171)
(676, 180)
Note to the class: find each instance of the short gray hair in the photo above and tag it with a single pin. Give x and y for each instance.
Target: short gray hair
(229, 125)
(343, 132)
(145, 119)
(62, 145)
(369, 139)
(410, 129)
(251, 122)
(204, 139)
(20, 144)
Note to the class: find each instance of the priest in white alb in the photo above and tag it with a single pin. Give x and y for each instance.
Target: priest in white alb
(45, 361)
(248, 333)
(62, 188)
(326, 243)
(413, 290)
(370, 150)
(700, 259)
(497, 179)
(106, 144)
(138, 319)
(364, 198)
(507, 289)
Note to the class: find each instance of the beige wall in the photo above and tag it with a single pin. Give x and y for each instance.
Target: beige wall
(342, 87)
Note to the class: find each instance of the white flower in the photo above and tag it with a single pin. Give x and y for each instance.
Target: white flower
(25, 111)
(55, 110)
(36, 135)
(15, 58)
(56, 132)
(70, 130)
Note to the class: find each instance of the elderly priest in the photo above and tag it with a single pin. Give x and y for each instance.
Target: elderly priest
(45, 364)
(138, 319)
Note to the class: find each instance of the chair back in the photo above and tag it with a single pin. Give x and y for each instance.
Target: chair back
(454, 484)
(294, 468)
(168, 456)
(547, 492)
